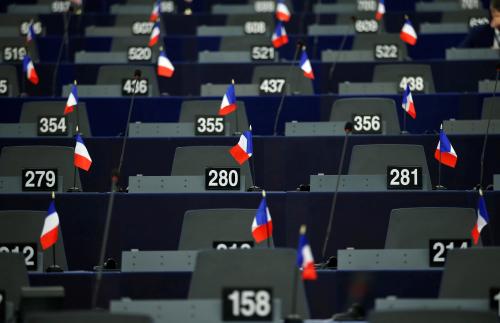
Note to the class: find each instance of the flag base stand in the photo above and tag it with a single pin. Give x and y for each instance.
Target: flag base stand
(74, 189)
(404, 132)
(54, 269)
(440, 188)
(237, 133)
(254, 188)
(293, 318)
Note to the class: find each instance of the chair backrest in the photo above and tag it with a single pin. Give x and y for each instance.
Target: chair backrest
(85, 317)
(13, 159)
(9, 73)
(432, 316)
(238, 43)
(15, 55)
(412, 228)
(238, 121)
(114, 74)
(369, 41)
(470, 273)
(396, 73)
(25, 226)
(14, 276)
(343, 109)
(491, 108)
(31, 110)
(201, 228)
(296, 83)
(273, 268)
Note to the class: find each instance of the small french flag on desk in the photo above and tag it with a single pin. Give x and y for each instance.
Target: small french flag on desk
(282, 12)
(380, 10)
(72, 100)
(244, 148)
(445, 153)
(280, 38)
(228, 103)
(305, 258)
(30, 35)
(155, 34)
(29, 69)
(155, 14)
(50, 231)
(262, 226)
(82, 158)
(305, 65)
(482, 218)
(408, 33)
(408, 104)
(165, 67)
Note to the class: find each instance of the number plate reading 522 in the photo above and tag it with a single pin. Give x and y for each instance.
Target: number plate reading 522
(29, 250)
(222, 179)
(39, 180)
(247, 304)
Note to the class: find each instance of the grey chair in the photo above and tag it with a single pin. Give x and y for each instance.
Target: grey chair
(296, 83)
(343, 109)
(18, 42)
(470, 273)
(238, 43)
(193, 160)
(432, 316)
(13, 159)
(238, 121)
(412, 228)
(201, 228)
(491, 108)
(31, 110)
(395, 72)
(114, 74)
(9, 73)
(272, 268)
(85, 317)
(25, 226)
(368, 42)
(14, 276)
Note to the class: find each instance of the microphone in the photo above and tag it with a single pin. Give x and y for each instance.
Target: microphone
(348, 130)
(335, 60)
(64, 43)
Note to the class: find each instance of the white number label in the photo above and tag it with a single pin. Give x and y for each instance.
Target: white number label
(142, 27)
(232, 245)
(247, 304)
(262, 53)
(416, 83)
(4, 87)
(438, 250)
(167, 6)
(39, 179)
(386, 51)
(367, 5)
(404, 177)
(264, 6)
(222, 179)
(27, 249)
(272, 86)
(133, 86)
(60, 6)
(209, 125)
(56, 125)
(470, 4)
(37, 27)
(139, 54)
(366, 26)
(11, 54)
(478, 21)
(255, 27)
(367, 124)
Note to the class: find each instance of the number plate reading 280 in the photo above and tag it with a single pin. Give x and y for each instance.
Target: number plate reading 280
(29, 250)
(222, 179)
(39, 180)
(404, 178)
(247, 304)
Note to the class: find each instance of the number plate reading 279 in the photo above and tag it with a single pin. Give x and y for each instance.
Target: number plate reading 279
(209, 126)
(247, 304)
(438, 249)
(39, 180)
(222, 179)
(404, 178)
(29, 250)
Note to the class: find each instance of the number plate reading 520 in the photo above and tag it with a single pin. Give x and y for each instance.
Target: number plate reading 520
(247, 304)
(222, 179)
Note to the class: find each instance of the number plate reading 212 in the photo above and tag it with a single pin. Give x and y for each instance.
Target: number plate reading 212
(247, 304)
(222, 179)
(29, 250)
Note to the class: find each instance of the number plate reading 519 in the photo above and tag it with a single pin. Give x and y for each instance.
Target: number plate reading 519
(222, 179)
(247, 304)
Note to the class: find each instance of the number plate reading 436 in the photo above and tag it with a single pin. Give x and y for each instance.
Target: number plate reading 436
(247, 304)
(222, 179)
(438, 249)
(39, 180)
(29, 250)
(404, 178)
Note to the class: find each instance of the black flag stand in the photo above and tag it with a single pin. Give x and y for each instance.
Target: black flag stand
(404, 132)
(54, 268)
(254, 187)
(294, 317)
(75, 188)
(439, 186)
(268, 240)
(236, 131)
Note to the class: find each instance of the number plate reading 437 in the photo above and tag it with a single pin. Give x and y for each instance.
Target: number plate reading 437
(247, 304)
(222, 179)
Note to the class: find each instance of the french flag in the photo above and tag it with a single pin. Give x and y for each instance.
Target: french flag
(408, 33)
(408, 104)
(82, 158)
(305, 258)
(305, 65)
(244, 148)
(482, 218)
(445, 153)
(72, 100)
(30, 35)
(155, 34)
(228, 103)
(282, 12)
(262, 226)
(29, 69)
(165, 67)
(380, 10)
(50, 231)
(280, 37)
(155, 14)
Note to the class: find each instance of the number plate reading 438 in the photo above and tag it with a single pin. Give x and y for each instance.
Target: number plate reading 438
(404, 178)
(39, 180)
(438, 249)
(29, 250)
(222, 179)
(247, 304)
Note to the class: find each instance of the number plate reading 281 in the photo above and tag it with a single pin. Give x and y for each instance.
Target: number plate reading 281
(438, 249)
(222, 179)
(209, 126)
(39, 180)
(247, 304)
(29, 250)
(404, 178)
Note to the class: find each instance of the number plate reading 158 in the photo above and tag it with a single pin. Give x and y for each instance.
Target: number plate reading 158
(39, 180)
(404, 178)
(222, 179)
(232, 245)
(29, 250)
(247, 304)
(52, 126)
(367, 124)
(209, 126)
(438, 249)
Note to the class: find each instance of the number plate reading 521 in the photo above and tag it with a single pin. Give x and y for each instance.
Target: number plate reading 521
(222, 179)
(247, 304)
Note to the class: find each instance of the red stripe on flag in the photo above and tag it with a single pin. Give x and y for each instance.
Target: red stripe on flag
(82, 162)
(239, 154)
(446, 159)
(263, 232)
(309, 272)
(227, 109)
(50, 238)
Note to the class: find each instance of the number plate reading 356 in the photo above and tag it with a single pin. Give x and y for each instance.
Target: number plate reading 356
(404, 178)
(366, 124)
(438, 249)
(209, 126)
(29, 250)
(222, 179)
(52, 126)
(247, 304)
(39, 180)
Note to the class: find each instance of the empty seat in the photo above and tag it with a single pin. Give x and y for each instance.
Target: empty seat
(14, 159)
(216, 270)
(201, 228)
(9, 73)
(193, 160)
(31, 110)
(14, 276)
(237, 121)
(115, 74)
(25, 227)
(369, 41)
(85, 317)
(491, 108)
(432, 316)
(238, 43)
(343, 109)
(296, 83)
(396, 73)
(412, 228)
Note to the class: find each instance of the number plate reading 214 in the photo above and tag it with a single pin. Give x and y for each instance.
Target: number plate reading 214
(222, 179)
(247, 304)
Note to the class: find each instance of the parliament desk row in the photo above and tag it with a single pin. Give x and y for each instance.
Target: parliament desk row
(333, 292)
(281, 163)
(153, 221)
(448, 76)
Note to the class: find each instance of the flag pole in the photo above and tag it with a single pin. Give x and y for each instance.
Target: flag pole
(236, 131)
(439, 186)
(54, 268)
(404, 122)
(77, 111)
(267, 225)
(75, 170)
(294, 317)
(254, 187)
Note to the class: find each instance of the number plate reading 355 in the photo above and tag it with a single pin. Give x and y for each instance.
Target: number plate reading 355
(367, 124)
(52, 126)
(29, 250)
(222, 179)
(271, 86)
(39, 180)
(438, 249)
(209, 126)
(247, 304)
(404, 178)
(232, 245)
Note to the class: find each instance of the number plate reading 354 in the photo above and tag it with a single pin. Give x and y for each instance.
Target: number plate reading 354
(39, 180)
(438, 249)
(222, 179)
(247, 304)
(29, 250)
(209, 126)
(52, 126)
(404, 178)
